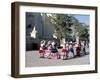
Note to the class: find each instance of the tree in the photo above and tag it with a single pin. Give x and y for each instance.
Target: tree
(84, 32)
(68, 26)
(63, 23)
(80, 30)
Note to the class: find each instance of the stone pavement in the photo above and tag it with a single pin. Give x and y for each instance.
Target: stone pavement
(32, 60)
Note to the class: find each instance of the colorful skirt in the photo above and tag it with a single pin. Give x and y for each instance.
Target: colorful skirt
(64, 50)
(54, 50)
(41, 51)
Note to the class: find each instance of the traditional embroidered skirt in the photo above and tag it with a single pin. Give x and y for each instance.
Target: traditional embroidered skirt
(64, 50)
(41, 51)
(54, 50)
(78, 49)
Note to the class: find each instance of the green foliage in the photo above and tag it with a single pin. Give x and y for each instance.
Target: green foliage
(62, 24)
(83, 33)
(66, 24)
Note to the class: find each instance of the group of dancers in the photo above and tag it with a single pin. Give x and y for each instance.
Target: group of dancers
(68, 50)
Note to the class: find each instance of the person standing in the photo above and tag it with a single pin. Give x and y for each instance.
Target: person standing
(70, 51)
(42, 49)
(64, 52)
(54, 51)
(75, 49)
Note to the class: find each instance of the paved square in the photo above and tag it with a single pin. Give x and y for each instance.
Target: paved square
(32, 60)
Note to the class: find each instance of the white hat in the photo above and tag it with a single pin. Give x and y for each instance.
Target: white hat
(53, 43)
(42, 45)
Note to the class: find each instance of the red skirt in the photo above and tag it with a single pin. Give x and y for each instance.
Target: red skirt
(64, 50)
(41, 51)
(78, 49)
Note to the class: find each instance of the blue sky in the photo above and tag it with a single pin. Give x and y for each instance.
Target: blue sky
(83, 18)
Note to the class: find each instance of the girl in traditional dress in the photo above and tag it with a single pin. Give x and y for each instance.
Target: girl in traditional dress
(78, 48)
(70, 51)
(82, 48)
(49, 48)
(54, 51)
(67, 47)
(42, 49)
(75, 49)
(64, 51)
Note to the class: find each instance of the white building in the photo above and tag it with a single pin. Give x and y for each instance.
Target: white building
(38, 27)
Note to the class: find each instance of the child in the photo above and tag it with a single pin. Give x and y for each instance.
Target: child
(70, 51)
(64, 51)
(78, 48)
(75, 49)
(67, 47)
(54, 51)
(49, 48)
(82, 49)
(42, 49)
